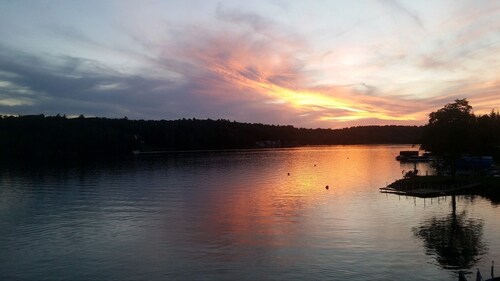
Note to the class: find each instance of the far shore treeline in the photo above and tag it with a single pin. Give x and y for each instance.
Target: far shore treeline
(58, 137)
(452, 131)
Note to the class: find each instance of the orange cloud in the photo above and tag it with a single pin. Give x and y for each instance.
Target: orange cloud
(257, 68)
(253, 69)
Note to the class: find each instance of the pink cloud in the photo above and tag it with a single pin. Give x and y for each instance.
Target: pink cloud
(250, 68)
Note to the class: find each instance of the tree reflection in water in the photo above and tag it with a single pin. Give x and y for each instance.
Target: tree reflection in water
(456, 241)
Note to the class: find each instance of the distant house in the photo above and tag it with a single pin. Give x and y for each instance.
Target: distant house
(268, 143)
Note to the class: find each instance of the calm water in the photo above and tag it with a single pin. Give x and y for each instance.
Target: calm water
(238, 216)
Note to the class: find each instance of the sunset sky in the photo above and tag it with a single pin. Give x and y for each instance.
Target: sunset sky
(325, 64)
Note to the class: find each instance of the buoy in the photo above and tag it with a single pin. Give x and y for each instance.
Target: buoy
(327, 187)
(288, 174)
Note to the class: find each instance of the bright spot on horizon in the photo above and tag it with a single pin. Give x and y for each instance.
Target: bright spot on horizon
(310, 64)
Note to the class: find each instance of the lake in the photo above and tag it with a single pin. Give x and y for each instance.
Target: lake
(239, 215)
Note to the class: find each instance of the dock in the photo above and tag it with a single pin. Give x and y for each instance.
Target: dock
(426, 189)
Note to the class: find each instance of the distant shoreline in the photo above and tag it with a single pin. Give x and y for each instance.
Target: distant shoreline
(58, 137)
(264, 148)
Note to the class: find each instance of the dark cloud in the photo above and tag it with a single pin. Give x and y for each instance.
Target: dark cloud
(370, 90)
(77, 86)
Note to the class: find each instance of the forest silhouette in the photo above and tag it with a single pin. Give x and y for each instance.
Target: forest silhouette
(55, 137)
(452, 131)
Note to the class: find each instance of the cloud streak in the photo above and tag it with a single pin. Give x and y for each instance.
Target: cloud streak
(244, 66)
(397, 6)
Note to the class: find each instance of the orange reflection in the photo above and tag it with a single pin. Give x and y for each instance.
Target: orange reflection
(267, 208)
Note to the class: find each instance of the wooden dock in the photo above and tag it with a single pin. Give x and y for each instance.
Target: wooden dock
(429, 190)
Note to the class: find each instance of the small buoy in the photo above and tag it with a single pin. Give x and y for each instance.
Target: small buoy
(327, 187)
(288, 174)
(314, 165)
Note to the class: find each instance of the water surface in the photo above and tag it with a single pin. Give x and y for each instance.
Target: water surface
(238, 215)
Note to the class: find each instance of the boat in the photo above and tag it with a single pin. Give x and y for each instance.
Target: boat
(412, 156)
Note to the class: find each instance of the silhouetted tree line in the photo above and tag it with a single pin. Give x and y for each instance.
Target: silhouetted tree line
(455, 130)
(39, 136)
